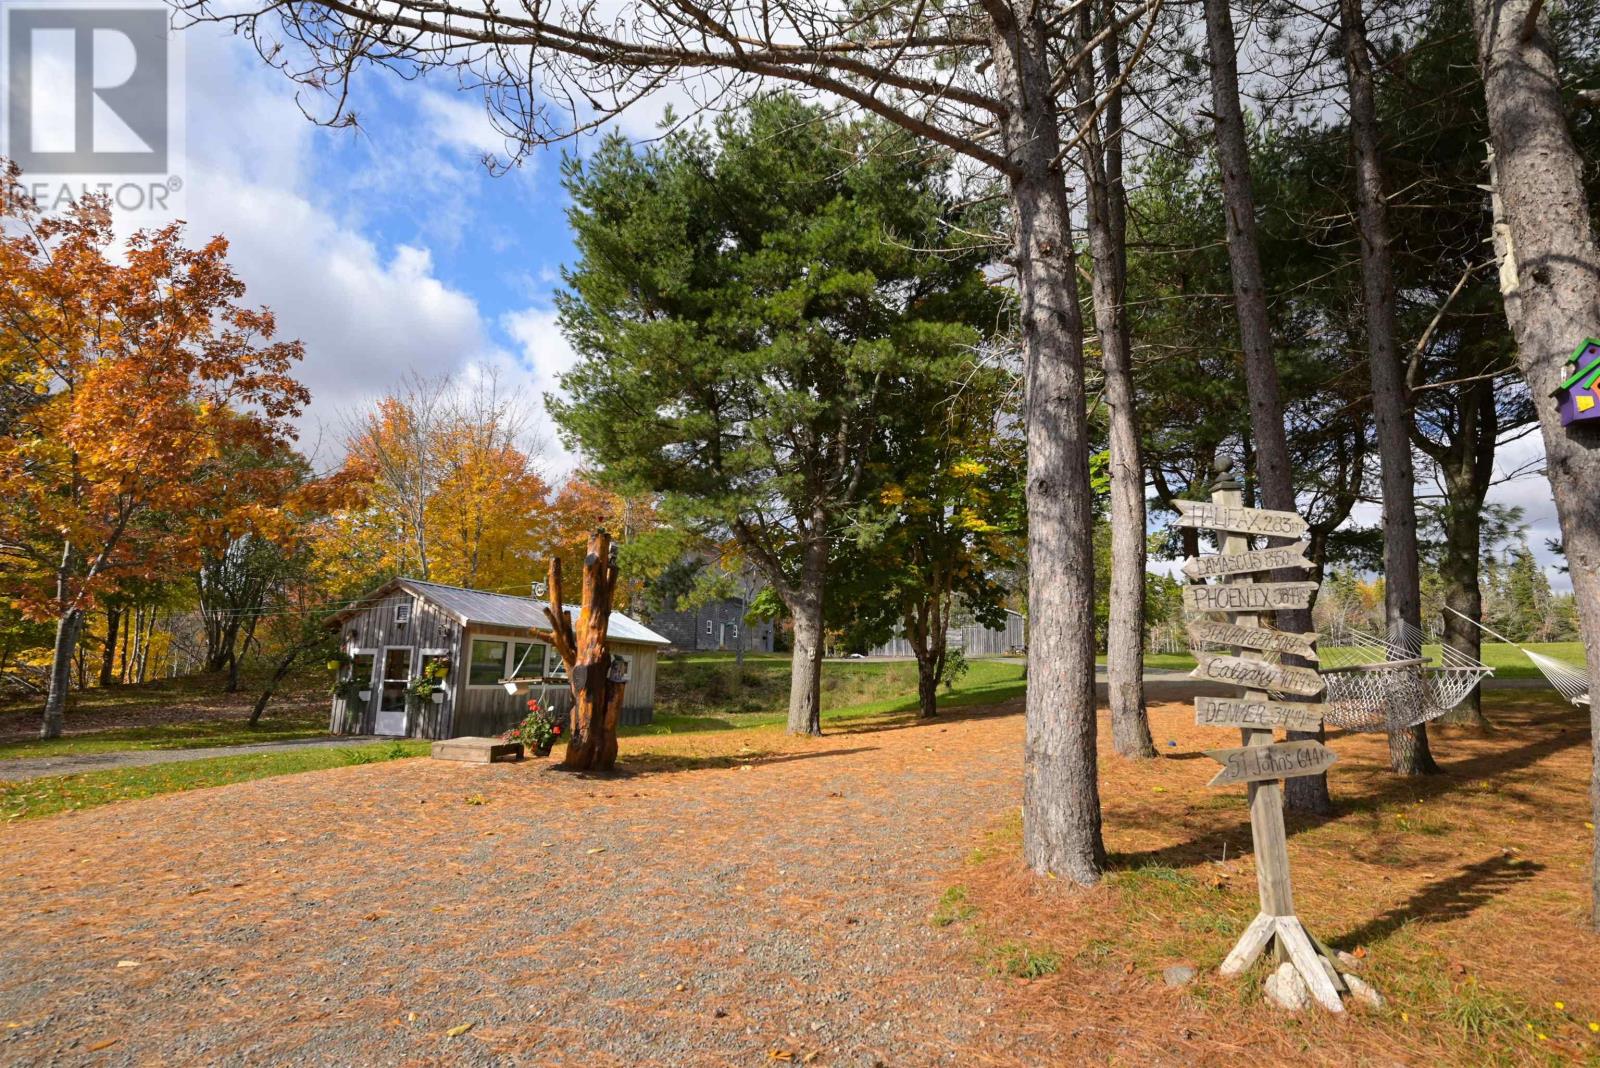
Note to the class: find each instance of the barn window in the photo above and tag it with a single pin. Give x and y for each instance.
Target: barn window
(708, 628)
(488, 665)
(402, 613)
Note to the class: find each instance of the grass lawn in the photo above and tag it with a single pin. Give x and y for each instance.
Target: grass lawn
(705, 692)
(1507, 660)
(48, 796)
(183, 713)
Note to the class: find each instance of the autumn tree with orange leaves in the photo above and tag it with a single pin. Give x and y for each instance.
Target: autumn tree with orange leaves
(132, 376)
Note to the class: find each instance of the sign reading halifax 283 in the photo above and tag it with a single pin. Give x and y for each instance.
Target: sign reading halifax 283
(94, 104)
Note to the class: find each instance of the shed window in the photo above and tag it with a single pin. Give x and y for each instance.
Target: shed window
(488, 663)
(402, 613)
(708, 628)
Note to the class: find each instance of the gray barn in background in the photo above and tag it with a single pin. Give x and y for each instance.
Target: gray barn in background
(972, 639)
(392, 633)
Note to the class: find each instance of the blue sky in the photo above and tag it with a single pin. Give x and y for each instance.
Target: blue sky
(391, 249)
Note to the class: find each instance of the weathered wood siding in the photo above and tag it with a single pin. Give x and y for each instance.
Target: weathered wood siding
(489, 710)
(374, 629)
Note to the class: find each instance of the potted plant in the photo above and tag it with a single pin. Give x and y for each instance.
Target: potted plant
(538, 732)
(422, 688)
(436, 671)
(340, 660)
(349, 689)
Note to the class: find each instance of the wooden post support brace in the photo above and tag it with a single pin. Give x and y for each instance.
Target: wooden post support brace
(1276, 925)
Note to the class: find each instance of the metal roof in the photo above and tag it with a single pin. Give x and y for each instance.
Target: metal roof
(504, 610)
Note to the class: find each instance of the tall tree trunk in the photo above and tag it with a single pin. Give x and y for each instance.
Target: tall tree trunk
(1061, 799)
(1551, 277)
(108, 658)
(1458, 567)
(1108, 237)
(805, 672)
(927, 683)
(1274, 478)
(1402, 580)
(585, 651)
(68, 626)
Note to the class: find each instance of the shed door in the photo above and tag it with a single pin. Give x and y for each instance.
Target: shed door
(391, 718)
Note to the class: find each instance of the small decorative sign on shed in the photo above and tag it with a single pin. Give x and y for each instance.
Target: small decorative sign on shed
(1579, 395)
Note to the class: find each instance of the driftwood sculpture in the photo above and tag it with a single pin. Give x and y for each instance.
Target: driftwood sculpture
(597, 696)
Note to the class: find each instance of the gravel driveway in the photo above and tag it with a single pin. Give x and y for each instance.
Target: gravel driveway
(742, 915)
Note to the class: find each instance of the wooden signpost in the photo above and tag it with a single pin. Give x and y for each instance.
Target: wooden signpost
(1280, 760)
(1249, 597)
(1200, 567)
(1236, 519)
(1255, 715)
(1262, 761)
(1271, 641)
(1255, 674)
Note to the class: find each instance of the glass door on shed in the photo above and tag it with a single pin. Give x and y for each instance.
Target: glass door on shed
(391, 718)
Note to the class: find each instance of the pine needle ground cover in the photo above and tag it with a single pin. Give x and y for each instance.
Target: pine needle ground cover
(1464, 894)
(843, 899)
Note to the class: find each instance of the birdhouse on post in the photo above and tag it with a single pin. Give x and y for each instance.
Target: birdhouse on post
(1579, 395)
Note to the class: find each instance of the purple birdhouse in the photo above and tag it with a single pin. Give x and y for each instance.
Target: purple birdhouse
(1579, 395)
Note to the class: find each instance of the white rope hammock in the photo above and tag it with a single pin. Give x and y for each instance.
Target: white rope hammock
(1388, 685)
(1378, 685)
(1570, 682)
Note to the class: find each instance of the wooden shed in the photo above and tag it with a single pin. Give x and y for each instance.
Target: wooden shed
(971, 638)
(393, 634)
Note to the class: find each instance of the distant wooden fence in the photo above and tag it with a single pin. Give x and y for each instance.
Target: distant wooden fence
(972, 640)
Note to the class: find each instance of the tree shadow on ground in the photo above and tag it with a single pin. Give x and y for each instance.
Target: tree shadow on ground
(1454, 898)
(1391, 789)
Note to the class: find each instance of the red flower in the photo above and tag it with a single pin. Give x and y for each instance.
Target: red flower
(556, 729)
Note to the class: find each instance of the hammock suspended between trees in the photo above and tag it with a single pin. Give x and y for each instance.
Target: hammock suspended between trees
(1377, 685)
(1572, 683)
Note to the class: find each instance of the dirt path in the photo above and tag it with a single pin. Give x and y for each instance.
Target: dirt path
(720, 915)
(25, 768)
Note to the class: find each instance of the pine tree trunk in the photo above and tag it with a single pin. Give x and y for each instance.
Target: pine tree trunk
(1551, 279)
(1107, 227)
(805, 672)
(1061, 800)
(108, 658)
(1270, 448)
(1402, 580)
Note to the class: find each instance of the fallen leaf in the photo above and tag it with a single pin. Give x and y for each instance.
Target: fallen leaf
(104, 1043)
(779, 1055)
(458, 1030)
(597, 849)
(127, 964)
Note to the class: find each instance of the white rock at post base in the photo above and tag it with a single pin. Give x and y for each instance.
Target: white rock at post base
(1348, 960)
(1363, 992)
(1285, 989)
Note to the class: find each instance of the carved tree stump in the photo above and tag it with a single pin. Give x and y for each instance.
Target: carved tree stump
(597, 698)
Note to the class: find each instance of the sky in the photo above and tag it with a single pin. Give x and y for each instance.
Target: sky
(392, 249)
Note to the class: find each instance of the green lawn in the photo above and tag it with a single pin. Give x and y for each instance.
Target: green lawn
(196, 734)
(1507, 660)
(61, 793)
(705, 693)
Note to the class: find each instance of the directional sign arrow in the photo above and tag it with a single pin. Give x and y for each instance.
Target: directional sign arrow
(1269, 641)
(1249, 596)
(1257, 674)
(1281, 760)
(1260, 715)
(1240, 520)
(1273, 559)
